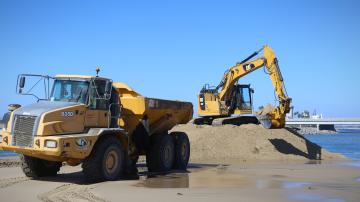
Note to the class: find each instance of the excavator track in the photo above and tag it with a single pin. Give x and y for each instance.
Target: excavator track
(218, 121)
(239, 120)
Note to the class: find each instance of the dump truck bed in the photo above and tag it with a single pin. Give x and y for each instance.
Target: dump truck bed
(157, 115)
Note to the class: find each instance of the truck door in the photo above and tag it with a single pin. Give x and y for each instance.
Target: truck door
(97, 114)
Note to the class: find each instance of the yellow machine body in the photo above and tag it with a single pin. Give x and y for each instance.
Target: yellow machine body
(74, 130)
(219, 101)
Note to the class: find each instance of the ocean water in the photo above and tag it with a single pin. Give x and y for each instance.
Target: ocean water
(347, 144)
(7, 153)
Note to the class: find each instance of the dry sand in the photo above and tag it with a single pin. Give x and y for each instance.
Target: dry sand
(248, 142)
(265, 110)
(9, 161)
(263, 165)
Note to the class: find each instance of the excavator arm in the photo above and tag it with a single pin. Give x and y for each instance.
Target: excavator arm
(275, 118)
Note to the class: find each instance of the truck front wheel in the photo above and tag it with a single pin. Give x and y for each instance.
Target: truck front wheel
(106, 161)
(161, 156)
(35, 167)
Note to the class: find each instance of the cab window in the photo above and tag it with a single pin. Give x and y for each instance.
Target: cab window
(97, 95)
(245, 98)
(69, 91)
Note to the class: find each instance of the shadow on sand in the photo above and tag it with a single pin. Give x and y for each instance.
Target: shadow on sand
(313, 150)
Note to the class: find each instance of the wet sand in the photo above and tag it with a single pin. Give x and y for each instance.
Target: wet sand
(268, 181)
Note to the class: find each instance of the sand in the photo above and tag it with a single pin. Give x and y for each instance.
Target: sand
(249, 142)
(275, 181)
(228, 163)
(234, 144)
(12, 161)
(265, 110)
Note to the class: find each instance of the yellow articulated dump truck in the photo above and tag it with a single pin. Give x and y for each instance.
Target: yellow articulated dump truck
(101, 124)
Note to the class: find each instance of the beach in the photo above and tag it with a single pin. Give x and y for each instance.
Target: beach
(227, 163)
(250, 181)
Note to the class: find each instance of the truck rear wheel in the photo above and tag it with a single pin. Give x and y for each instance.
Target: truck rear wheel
(106, 161)
(161, 156)
(35, 167)
(131, 168)
(182, 150)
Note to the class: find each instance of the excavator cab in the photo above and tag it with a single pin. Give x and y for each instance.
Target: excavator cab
(239, 102)
(241, 99)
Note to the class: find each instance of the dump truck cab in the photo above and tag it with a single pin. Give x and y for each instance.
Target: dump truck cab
(93, 121)
(74, 106)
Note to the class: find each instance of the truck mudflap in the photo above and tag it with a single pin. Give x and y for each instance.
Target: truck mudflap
(69, 147)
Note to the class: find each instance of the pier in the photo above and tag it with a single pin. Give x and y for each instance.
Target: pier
(324, 124)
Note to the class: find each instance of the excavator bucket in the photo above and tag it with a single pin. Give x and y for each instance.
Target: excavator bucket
(265, 121)
(263, 116)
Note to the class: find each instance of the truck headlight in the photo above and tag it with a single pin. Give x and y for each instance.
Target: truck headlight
(50, 143)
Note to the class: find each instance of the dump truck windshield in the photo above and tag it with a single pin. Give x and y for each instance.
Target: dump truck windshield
(70, 91)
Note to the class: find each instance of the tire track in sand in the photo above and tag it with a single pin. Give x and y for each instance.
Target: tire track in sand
(7, 182)
(70, 192)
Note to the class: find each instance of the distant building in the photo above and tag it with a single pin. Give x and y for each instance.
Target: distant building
(317, 116)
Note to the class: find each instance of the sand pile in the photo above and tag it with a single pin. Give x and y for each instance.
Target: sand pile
(248, 142)
(229, 144)
(265, 110)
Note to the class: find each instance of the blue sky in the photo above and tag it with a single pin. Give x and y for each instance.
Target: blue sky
(169, 49)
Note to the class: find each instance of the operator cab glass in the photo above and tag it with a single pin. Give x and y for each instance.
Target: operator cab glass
(242, 97)
(70, 91)
(97, 95)
(245, 98)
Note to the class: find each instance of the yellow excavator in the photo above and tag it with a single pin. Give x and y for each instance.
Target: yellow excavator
(217, 105)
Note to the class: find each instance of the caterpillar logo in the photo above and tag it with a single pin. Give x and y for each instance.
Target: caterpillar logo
(248, 67)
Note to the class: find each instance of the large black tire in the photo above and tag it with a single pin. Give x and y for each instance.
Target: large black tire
(161, 156)
(106, 161)
(182, 150)
(35, 167)
(131, 169)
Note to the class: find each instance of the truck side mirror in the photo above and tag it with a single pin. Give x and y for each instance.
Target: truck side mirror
(22, 82)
